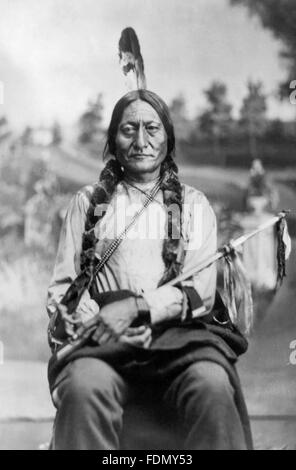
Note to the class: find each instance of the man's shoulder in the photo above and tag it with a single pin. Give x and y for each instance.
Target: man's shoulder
(87, 191)
(82, 198)
(196, 201)
(192, 194)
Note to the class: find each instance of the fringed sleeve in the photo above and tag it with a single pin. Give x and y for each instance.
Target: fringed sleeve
(200, 233)
(67, 263)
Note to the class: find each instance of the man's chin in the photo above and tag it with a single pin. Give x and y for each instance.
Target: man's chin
(142, 166)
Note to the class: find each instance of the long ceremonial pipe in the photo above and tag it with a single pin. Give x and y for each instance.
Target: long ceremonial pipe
(85, 330)
(222, 251)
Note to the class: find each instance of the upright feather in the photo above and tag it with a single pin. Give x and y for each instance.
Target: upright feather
(131, 60)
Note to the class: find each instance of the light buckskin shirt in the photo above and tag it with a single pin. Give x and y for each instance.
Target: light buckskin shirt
(137, 263)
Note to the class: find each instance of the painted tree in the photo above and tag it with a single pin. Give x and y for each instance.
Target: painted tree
(4, 130)
(90, 123)
(179, 117)
(57, 135)
(253, 115)
(216, 120)
(27, 136)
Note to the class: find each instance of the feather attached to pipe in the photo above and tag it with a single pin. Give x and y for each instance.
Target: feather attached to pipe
(283, 249)
(131, 60)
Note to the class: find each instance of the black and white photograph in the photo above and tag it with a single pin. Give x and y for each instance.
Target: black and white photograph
(148, 227)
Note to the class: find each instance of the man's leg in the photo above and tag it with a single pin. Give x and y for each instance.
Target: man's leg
(203, 399)
(89, 401)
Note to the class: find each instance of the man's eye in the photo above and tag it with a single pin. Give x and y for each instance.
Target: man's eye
(128, 130)
(152, 129)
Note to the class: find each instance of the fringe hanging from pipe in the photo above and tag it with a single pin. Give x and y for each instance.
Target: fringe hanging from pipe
(237, 291)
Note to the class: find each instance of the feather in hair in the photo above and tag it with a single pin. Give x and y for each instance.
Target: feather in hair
(131, 60)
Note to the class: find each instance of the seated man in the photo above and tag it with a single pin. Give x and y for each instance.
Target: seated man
(176, 342)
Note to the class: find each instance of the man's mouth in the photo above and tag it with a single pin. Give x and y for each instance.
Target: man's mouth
(141, 155)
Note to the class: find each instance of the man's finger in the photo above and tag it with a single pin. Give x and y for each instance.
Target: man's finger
(99, 332)
(135, 331)
(142, 340)
(146, 334)
(106, 336)
(148, 342)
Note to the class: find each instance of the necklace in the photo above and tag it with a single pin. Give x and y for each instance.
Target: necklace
(143, 191)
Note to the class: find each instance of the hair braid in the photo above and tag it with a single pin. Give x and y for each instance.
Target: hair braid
(172, 252)
(103, 191)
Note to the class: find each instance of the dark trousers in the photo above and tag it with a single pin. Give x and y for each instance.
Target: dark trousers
(90, 398)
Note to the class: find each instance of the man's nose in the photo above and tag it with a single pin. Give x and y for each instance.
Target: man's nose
(141, 138)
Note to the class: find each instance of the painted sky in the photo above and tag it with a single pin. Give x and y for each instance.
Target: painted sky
(55, 55)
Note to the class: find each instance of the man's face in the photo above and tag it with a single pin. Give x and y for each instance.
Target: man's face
(141, 140)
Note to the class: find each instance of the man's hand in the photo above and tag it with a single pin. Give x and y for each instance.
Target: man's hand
(87, 308)
(165, 303)
(116, 317)
(140, 336)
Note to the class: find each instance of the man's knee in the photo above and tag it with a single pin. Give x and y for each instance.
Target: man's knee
(209, 378)
(201, 385)
(89, 378)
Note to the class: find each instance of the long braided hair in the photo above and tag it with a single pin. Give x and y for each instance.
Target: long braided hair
(112, 174)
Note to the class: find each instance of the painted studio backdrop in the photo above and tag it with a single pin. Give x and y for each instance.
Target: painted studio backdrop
(227, 70)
